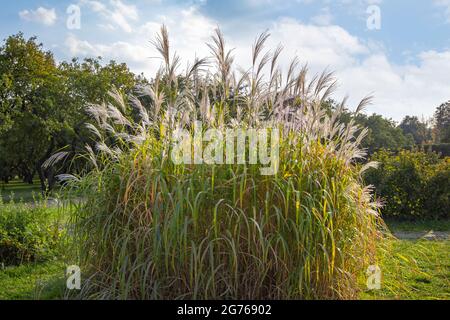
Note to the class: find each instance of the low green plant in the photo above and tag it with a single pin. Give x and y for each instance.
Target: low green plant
(28, 233)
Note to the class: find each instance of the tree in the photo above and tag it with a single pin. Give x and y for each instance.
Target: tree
(28, 123)
(411, 125)
(442, 123)
(383, 134)
(43, 105)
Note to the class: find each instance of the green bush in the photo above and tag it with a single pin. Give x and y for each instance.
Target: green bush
(412, 184)
(28, 233)
(437, 193)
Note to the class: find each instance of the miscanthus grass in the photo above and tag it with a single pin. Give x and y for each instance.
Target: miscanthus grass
(150, 229)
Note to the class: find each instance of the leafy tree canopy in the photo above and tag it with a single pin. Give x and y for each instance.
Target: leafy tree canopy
(42, 104)
(417, 129)
(442, 123)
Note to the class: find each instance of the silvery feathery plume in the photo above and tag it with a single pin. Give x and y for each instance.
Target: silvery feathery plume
(117, 116)
(143, 114)
(93, 129)
(98, 111)
(54, 159)
(67, 178)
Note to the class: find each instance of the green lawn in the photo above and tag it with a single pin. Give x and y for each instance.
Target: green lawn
(414, 270)
(20, 191)
(418, 269)
(32, 281)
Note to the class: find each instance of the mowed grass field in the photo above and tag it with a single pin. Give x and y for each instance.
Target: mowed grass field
(414, 270)
(411, 269)
(19, 191)
(40, 281)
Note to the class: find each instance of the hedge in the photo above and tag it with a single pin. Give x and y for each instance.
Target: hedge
(412, 184)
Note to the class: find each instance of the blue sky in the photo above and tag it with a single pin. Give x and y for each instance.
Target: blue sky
(405, 63)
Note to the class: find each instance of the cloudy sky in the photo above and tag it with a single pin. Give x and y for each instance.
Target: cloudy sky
(403, 58)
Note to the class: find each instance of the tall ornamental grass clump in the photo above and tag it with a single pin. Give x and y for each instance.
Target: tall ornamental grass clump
(152, 229)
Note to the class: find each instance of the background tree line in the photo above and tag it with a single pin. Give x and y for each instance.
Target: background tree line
(42, 105)
(42, 111)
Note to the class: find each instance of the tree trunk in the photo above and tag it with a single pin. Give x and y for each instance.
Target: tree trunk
(28, 177)
(51, 181)
(42, 181)
(41, 171)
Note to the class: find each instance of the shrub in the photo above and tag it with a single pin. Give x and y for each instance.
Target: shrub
(412, 184)
(150, 229)
(28, 233)
(437, 192)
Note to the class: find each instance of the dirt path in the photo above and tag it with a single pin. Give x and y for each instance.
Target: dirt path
(430, 235)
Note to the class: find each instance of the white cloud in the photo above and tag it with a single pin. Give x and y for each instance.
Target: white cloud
(121, 50)
(362, 68)
(320, 46)
(403, 89)
(40, 15)
(117, 14)
(188, 29)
